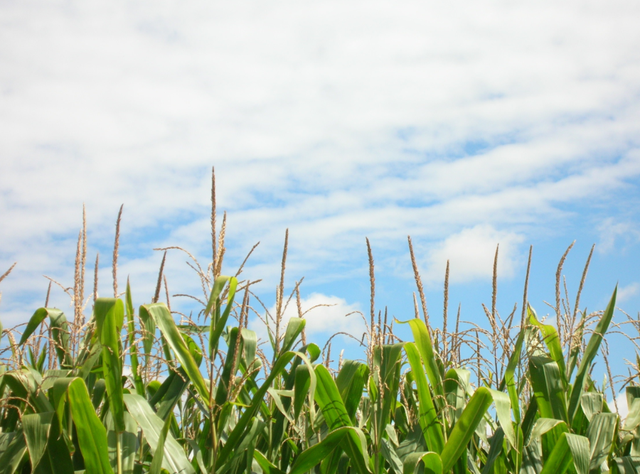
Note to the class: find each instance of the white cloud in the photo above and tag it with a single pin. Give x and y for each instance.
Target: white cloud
(628, 291)
(623, 408)
(337, 120)
(326, 315)
(614, 233)
(471, 255)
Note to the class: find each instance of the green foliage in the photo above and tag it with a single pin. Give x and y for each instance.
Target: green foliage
(131, 392)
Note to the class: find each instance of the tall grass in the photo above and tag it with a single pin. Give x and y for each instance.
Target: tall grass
(154, 390)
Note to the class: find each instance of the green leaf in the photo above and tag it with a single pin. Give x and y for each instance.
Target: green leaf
(59, 331)
(601, 433)
(551, 340)
(267, 466)
(627, 465)
(544, 425)
(218, 323)
(427, 416)
(387, 360)
(431, 461)
(158, 454)
(244, 450)
(166, 400)
(222, 392)
(240, 428)
(164, 320)
(571, 451)
(456, 385)
(388, 451)
(128, 442)
(57, 458)
(294, 327)
(15, 449)
(33, 324)
(591, 404)
(60, 388)
(465, 427)
(36, 432)
(589, 354)
(425, 347)
(509, 376)
(633, 403)
(350, 382)
(495, 450)
(152, 426)
(575, 350)
(109, 315)
(318, 452)
(133, 349)
(335, 414)
(249, 347)
(503, 410)
(301, 388)
(547, 387)
(92, 436)
(148, 333)
(330, 401)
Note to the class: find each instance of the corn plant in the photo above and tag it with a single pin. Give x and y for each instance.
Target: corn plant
(136, 391)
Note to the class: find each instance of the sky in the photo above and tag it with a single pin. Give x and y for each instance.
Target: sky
(462, 124)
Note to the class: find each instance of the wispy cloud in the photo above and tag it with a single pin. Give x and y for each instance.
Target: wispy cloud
(325, 316)
(628, 291)
(471, 254)
(615, 233)
(462, 125)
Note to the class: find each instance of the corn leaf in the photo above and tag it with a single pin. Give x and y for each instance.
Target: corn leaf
(128, 442)
(36, 432)
(109, 316)
(589, 354)
(294, 328)
(218, 322)
(15, 449)
(267, 466)
(626, 465)
(425, 347)
(336, 416)
(431, 461)
(133, 348)
(92, 436)
(158, 455)
(503, 410)
(174, 458)
(465, 427)
(427, 416)
(314, 455)
(350, 382)
(301, 388)
(551, 340)
(547, 387)
(570, 452)
(543, 426)
(243, 423)
(601, 433)
(164, 320)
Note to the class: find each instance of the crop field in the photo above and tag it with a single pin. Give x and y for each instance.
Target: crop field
(118, 388)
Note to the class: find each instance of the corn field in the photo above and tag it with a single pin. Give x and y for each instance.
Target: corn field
(132, 390)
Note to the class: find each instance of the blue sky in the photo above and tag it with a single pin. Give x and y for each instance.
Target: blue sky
(463, 124)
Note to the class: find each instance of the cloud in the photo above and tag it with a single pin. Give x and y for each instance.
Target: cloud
(471, 254)
(337, 121)
(623, 408)
(616, 234)
(326, 315)
(628, 291)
